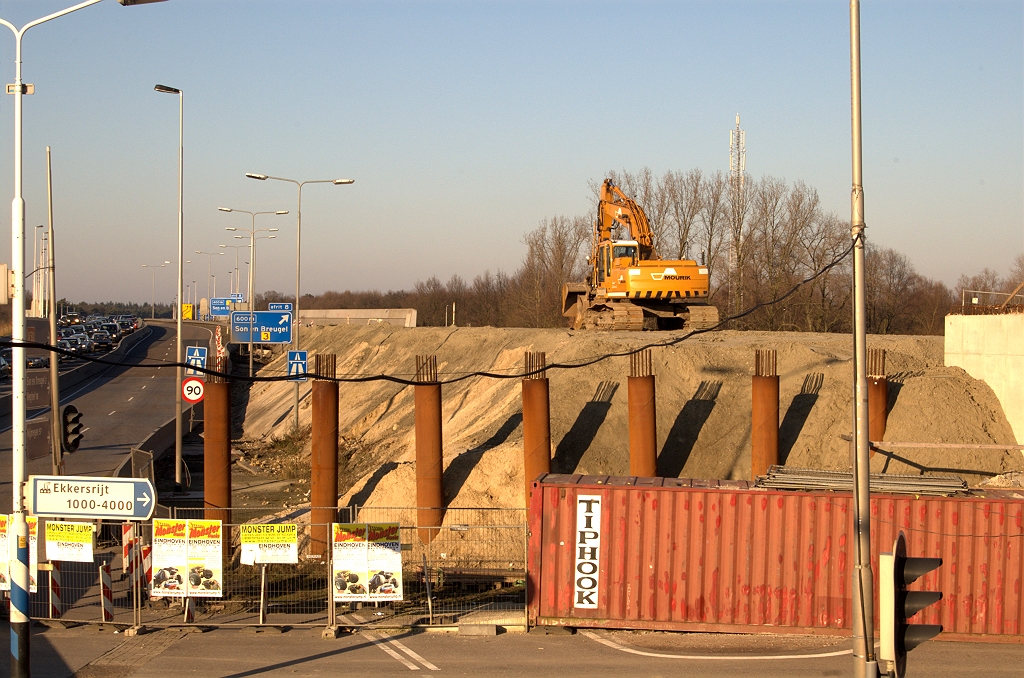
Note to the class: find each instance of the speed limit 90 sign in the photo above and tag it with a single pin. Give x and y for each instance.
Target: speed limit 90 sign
(192, 390)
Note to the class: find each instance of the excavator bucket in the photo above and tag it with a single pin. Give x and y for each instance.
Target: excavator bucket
(572, 295)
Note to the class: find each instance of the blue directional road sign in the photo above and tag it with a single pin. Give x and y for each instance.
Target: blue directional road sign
(237, 297)
(91, 497)
(268, 327)
(297, 365)
(220, 306)
(280, 307)
(195, 356)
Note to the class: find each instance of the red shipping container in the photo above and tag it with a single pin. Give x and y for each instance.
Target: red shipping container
(708, 555)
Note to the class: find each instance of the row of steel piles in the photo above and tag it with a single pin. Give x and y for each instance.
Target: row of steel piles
(430, 499)
(764, 406)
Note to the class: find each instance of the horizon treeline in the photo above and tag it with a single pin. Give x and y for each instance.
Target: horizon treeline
(782, 235)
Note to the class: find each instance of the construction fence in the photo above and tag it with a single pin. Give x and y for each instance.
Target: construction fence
(473, 571)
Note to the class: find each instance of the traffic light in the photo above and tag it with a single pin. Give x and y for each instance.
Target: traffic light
(897, 636)
(71, 428)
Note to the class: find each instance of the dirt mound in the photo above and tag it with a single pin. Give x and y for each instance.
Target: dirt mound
(703, 389)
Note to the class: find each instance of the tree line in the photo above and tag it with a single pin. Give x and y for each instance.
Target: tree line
(759, 238)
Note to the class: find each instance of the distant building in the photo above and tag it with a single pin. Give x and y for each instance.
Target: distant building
(403, 317)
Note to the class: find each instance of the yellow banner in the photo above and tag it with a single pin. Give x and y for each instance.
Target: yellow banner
(69, 532)
(287, 533)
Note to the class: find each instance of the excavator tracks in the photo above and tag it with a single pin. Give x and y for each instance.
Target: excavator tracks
(627, 316)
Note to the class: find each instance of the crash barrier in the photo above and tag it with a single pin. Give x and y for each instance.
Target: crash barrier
(472, 572)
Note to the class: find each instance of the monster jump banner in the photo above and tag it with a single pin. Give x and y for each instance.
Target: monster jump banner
(367, 562)
(187, 558)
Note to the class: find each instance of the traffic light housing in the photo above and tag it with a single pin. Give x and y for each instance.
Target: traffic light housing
(897, 604)
(71, 428)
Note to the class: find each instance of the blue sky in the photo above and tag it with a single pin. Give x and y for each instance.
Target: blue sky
(466, 123)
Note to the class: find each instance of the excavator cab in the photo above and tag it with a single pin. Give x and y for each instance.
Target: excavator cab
(626, 250)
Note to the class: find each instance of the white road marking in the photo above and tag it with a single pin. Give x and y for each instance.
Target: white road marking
(415, 656)
(143, 387)
(132, 397)
(112, 413)
(85, 429)
(615, 646)
(408, 664)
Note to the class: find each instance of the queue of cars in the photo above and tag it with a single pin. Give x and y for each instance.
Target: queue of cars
(78, 336)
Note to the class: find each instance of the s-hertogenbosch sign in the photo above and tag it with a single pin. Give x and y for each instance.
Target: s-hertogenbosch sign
(89, 497)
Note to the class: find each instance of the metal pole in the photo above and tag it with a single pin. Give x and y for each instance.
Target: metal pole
(252, 264)
(57, 459)
(152, 307)
(297, 322)
(178, 433)
(865, 663)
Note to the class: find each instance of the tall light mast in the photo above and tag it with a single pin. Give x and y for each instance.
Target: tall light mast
(738, 209)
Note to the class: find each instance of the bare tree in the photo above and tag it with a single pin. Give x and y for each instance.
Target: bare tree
(684, 196)
(713, 225)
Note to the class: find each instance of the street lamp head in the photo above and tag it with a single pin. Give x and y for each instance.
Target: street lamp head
(261, 177)
(238, 237)
(343, 182)
(166, 262)
(271, 237)
(272, 230)
(164, 88)
(129, 3)
(281, 212)
(230, 228)
(224, 209)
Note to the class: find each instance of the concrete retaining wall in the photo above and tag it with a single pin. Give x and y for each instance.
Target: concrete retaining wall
(991, 348)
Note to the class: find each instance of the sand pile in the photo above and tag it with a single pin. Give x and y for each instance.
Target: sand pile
(703, 390)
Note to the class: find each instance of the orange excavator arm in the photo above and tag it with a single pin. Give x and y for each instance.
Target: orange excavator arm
(616, 206)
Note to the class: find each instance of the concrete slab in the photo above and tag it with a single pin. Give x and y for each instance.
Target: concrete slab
(478, 630)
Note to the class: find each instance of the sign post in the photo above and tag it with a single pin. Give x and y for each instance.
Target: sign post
(91, 497)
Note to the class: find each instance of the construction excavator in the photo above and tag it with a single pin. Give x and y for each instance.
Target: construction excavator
(629, 287)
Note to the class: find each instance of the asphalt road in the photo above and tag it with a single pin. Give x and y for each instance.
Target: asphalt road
(87, 653)
(120, 408)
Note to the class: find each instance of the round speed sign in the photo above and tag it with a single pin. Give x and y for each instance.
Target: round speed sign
(192, 390)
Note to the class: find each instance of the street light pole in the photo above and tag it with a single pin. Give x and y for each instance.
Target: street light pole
(298, 258)
(153, 271)
(864, 659)
(252, 259)
(178, 433)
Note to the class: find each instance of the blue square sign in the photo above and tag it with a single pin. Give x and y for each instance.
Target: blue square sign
(297, 365)
(195, 356)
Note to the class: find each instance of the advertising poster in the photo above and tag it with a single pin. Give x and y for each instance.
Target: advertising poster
(33, 553)
(5, 566)
(170, 558)
(384, 561)
(269, 544)
(349, 562)
(205, 559)
(70, 542)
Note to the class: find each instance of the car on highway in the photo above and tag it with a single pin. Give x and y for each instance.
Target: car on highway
(101, 341)
(5, 367)
(37, 361)
(113, 330)
(68, 345)
(126, 327)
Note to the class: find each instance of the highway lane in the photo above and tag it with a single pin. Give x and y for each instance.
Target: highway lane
(121, 407)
